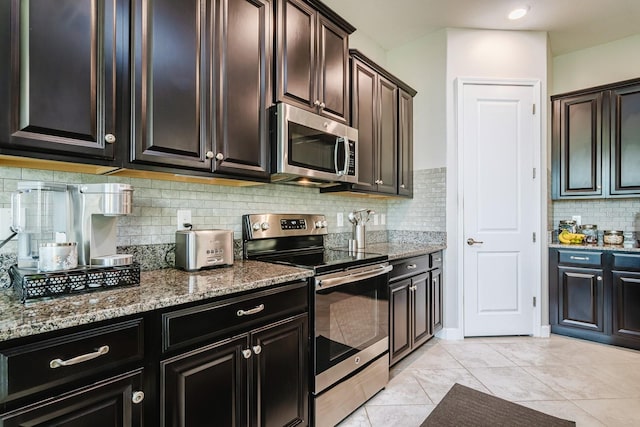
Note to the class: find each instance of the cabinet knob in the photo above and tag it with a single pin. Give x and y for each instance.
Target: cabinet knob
(412, 266)
(402, 186)
(316, 103)
(600, 278)
(109, 138)
(246, 353)
(219, 156)
(322, 105)
(209, 155)
(137, 397)
(257, 349)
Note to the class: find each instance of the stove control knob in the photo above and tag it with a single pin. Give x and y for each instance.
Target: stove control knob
(264, 226)
(256, 226)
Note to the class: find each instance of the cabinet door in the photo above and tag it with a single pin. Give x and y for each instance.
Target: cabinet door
(436, 300)
(387, 136)
(243, 59)
(625, 141)
(626, 300)
(421, 319)
(581, 298)
(206, 384)
(63, 62)
(405, 144)
(364, 101)
(400, 315)
(172, 46)
(577, 151)
(333, 70)
(107, 403)
(296, 61)
(280, 376)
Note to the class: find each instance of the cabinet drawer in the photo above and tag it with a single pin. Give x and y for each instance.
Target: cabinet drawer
(203, 322)
(409, 267)
(44, 364)
(580, 257)
(626, 261)
(435, 260)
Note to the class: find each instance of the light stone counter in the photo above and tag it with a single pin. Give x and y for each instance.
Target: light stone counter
(635, 248)
(158, 289)
(403, 250)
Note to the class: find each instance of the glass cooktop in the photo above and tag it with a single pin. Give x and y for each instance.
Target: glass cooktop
(325, 260)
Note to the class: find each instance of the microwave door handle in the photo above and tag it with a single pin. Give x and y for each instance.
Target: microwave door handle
(346, 156)
(335, 156)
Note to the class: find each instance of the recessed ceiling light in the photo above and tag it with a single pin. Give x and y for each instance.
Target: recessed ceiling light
(518, 13)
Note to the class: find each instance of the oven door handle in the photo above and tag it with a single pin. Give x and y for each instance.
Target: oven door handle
(350, 278)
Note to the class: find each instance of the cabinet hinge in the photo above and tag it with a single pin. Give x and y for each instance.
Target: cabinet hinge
(534, 301)
(534, 173)
(534, 237)
(534, 109)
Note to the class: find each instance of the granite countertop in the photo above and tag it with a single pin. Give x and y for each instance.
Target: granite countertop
(601, 247)
(158, 289)
(403, 250)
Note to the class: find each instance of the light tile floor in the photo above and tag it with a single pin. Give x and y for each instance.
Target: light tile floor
(590, 383)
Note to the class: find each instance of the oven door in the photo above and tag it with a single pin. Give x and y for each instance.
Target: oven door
(351, 321)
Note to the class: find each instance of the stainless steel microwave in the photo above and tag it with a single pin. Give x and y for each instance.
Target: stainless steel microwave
(309, 148)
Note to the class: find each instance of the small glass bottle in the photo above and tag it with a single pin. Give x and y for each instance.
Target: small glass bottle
(590, 232)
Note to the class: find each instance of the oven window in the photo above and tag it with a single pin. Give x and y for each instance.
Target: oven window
(349, 319)
(310, 148)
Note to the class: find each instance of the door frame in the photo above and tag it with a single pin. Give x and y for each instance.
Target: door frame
(535, 85)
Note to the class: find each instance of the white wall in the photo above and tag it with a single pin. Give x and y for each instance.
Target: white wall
(362, 42)
(606, 63)
(422, 65)
(492, 55)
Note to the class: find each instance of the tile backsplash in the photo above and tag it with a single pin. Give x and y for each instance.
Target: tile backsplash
(607, 214)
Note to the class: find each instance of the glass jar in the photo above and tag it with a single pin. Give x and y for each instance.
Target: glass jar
(569, 225)
(590, 232)
(613, 237)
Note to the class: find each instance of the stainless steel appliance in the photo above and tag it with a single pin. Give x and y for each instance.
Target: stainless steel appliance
(198, 249)
(312, 149)
(95, 208)
(348, 304)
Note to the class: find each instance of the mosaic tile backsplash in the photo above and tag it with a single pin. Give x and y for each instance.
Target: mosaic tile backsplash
(149, 232)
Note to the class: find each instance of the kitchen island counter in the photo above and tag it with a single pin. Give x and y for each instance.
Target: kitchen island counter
(157, 289)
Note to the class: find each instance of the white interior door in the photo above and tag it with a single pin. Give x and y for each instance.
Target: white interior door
(500, 208)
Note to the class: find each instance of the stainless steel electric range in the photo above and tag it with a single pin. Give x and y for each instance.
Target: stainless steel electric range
(348, 300)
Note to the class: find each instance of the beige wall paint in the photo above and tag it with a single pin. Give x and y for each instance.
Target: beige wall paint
(597, 65)
(366, 45)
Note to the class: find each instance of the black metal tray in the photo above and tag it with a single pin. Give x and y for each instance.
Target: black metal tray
(29, 284)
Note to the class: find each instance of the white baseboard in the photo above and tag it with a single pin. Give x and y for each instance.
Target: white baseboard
(450, 334)
(545, 331)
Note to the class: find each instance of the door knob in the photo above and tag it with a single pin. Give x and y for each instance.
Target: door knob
(472, 242)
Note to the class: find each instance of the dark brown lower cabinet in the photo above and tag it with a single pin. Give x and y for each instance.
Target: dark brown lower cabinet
(581, 298)
(255, 379)
(115, 402)
(415, 304)
(626, 301)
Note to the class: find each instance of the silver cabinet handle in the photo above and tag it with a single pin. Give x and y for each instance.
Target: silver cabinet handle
(137, 397)
(109, 138)
(437, 260)
(579, 258)
(56, 363)
(209, 155)
(219, 156)
(472, 242)
(257, 349)
(246, 353)
(412, 266)
(413, 288)
(255, 310)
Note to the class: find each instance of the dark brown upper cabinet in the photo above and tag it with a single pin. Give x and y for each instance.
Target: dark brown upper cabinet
(64, 66)
(595, 148)
(625, 140)
(312, 60)
(200, 85)
(382, 111)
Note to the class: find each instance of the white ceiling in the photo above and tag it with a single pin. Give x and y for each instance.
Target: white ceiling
(571, 24)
